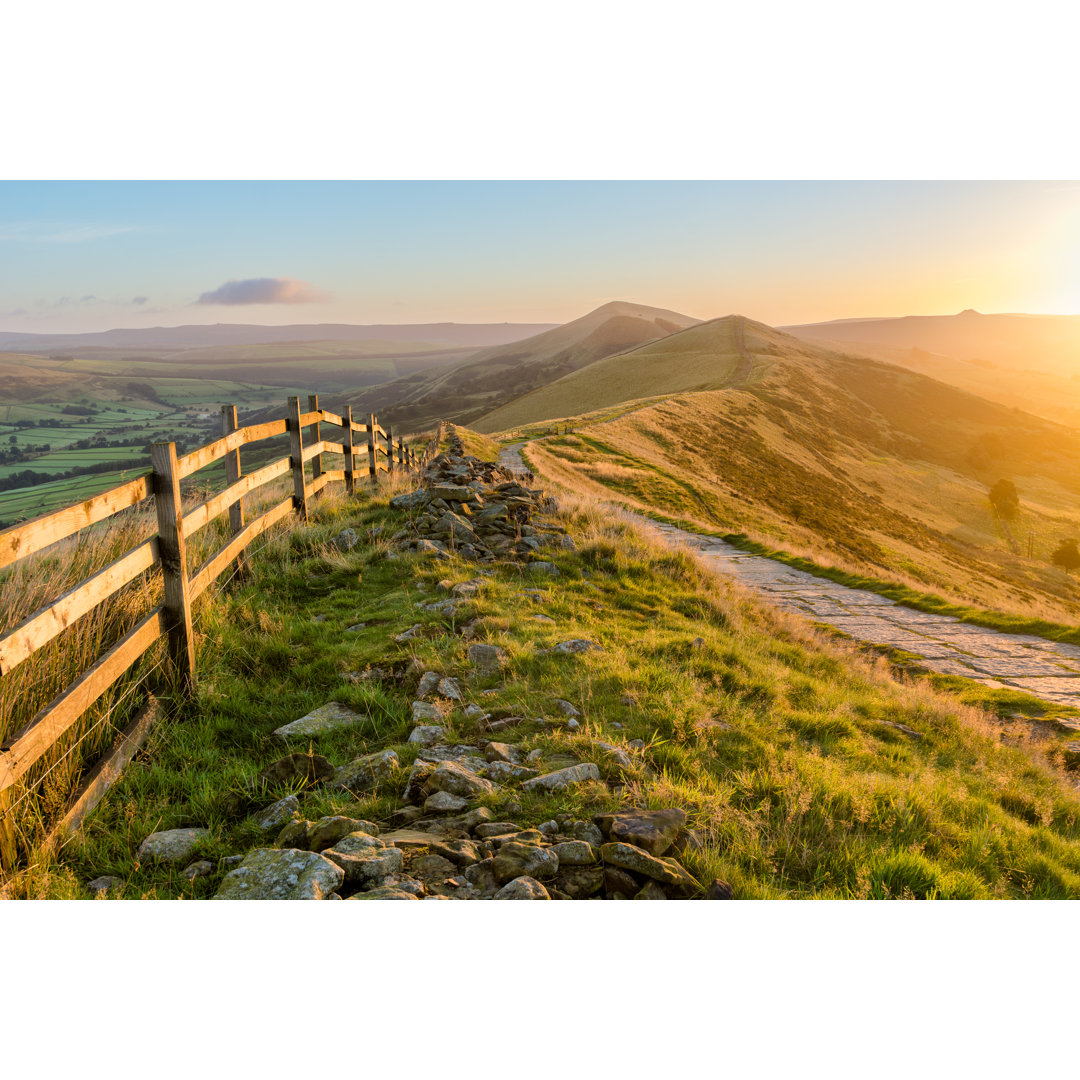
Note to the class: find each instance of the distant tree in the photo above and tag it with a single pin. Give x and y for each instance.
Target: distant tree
(1005, 500)
(1066, 556)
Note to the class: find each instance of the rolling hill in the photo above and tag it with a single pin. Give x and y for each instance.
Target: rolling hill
(858, 463)
(198, 336)
(1025, 342)
(492, 377)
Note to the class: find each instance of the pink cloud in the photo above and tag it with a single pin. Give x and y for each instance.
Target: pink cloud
(264, 291)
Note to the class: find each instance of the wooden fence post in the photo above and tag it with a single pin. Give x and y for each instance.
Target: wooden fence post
(390, 448)
(296, 454)
(8, 850)
(233, 473)
(373, 463)
(349, 450)
(173, 564)
(316, 461)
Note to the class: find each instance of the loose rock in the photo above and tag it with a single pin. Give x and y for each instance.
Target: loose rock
(171, 845)
(267, 874)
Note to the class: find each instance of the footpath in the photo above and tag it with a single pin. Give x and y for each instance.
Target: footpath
(1045, 669)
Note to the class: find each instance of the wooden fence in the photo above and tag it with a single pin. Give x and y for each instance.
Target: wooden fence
(376, 450)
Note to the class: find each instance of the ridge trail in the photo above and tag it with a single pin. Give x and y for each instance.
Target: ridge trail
(1045, 669)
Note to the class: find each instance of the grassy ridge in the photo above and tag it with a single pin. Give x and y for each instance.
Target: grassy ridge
(783, 745)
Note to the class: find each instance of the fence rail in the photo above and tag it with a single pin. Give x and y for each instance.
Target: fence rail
(165, 554)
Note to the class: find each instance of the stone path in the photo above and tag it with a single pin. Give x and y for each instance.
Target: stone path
(1044, 669)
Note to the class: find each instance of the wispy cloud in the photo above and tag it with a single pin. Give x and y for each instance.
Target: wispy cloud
(264, 291)
(138, 301)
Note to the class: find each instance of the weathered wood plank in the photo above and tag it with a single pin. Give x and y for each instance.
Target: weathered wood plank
(350, 450)
(211, 452)
(26, 746)
(373, 461)
(233, 472)
(332, 418)
(18, 541)
(38, 630)
(316, 438)
(200, 516)
(296, 442)
(309, 418)
(212, 569)
(105, 773)
(170, 519)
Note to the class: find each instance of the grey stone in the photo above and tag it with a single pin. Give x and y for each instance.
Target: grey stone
(487, 658)
(362, 864)
(422, 712)
(566, 708)
(384, 893)
(548, 569)
(576, 645)
(442, 802)
(498, 751)
(278, 814)
(346, 540)
(410, 500)
(638, 861)
(516, 859)
(297, 768)
(458, 780)
(616, 753)
(426, 734)
(102, 886)
(495, 828)
(407, 635)
(580, 882)
(450, 688)
(268, 874)
(562, 778)
(504, 771)
(431, 868)
(428, 681)
(652, 830)
(202, 868)
(574, 853)
(355, 628)
(295, 834)
(171, 845)
(720, 890)
(367, 772)
(523, 888)
(329, 830)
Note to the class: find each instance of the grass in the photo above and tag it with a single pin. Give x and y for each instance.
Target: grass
(777, 740)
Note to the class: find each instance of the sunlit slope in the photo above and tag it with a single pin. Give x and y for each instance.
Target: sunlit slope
(1026, 342)
(492, 377)
(1054, 396)
(709, 355)
(858, 463)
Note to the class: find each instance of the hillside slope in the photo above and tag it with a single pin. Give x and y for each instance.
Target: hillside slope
(491, 377)
(1035, 342)
(859, 463)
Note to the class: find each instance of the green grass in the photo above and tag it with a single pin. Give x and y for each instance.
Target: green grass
(775, 739)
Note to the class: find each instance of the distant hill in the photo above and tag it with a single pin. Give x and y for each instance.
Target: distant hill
(176, 337)
(494, 376)
(704, 356)
(1025, 342)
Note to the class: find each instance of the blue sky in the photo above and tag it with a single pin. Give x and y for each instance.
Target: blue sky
(88, 256)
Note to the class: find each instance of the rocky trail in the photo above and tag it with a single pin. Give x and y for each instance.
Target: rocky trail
(439, 842)
(1045, 669)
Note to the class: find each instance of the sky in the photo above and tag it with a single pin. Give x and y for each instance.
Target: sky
(82, 256)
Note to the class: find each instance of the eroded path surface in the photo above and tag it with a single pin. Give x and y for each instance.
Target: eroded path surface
(1045, 669)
